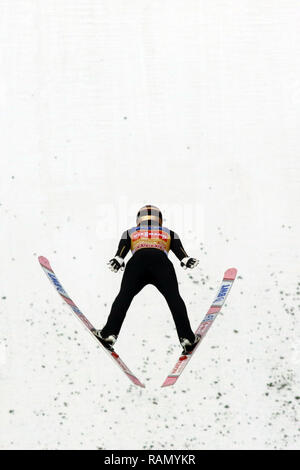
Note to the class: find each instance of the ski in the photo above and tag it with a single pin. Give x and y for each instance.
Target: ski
(57, 285)
(229, 277)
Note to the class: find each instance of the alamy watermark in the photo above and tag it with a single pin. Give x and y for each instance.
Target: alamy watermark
(186, 219)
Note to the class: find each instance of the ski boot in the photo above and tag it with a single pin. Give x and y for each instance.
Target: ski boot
(188, 346)
(107, 341)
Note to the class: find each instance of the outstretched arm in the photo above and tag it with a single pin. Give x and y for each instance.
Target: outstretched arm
(176, 246)
(124, 245)
(179, 251)
(118, 261)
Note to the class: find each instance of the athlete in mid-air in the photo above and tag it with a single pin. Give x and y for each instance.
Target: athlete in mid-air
(150, 243)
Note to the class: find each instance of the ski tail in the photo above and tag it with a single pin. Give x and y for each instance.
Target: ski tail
(45, 264)
(228, 279)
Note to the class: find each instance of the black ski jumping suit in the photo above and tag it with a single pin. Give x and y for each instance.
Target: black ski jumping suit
(149, 265)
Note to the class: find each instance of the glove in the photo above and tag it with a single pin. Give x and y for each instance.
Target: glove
(116, 263)
(189, 262)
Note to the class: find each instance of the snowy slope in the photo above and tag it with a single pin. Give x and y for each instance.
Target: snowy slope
(192, 106)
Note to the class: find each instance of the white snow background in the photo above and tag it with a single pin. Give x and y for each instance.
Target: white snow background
(192, 105)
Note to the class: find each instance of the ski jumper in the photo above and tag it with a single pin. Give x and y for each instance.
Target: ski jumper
(149, 265)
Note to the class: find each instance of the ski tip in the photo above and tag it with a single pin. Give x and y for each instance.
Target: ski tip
(230, 274)
(136, 381)
(44, 262)
(169, 381)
